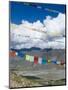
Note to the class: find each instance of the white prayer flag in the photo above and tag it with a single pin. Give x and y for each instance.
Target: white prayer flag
(40, 60)
(58, 62)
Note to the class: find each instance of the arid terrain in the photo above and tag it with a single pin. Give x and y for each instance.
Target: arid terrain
(27, 74)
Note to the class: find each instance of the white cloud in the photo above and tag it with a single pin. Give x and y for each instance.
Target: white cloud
(58, 43)
(55, 26)
(44, 35)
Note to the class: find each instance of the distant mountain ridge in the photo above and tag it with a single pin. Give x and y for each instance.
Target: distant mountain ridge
(33, 48)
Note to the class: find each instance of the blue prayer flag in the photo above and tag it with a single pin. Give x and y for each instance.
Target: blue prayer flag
(20, 54)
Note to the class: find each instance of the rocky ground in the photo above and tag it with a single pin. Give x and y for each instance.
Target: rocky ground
(32, 81)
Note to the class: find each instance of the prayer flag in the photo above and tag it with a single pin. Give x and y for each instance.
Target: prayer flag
(20, 54)
(35, 59)
(40, 60)
(16, 53)
(54, 61)
(62, 62)
(64, 65)
(58, 62)
(49, 61)
(12, 53)
(31, 59)
(28, 57)
(44, 60)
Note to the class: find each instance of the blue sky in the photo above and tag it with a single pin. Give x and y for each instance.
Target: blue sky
(34, 24)
(19, 12)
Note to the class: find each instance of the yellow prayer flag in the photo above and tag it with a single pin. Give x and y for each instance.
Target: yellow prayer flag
(49, 61)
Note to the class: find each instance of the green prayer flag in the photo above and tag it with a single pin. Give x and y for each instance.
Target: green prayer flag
(27, 57)
(44, 60)
(31, 58)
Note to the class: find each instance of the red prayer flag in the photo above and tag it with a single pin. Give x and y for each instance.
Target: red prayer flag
(62, 62)
(35, 59)
(12, 53)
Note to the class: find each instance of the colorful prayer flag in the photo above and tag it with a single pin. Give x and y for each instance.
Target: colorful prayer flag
(12, 53)
(20, 54)
(28, 57)
(31, 59)
(58, 62)
(49, 61)
(16, 53)
(62, 62)
(40, 60)
(35, 59)
(54, 61)
(44, 61)
(64, 65)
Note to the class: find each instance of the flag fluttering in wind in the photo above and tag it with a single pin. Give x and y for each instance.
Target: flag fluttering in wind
(20, 54)
(36, 59)
(54, 60)
(12, 53)
(44, 61)
(39, 60)
(27, 57)
(31, 59)
(49, 61)
(62, 62)
(58, 62)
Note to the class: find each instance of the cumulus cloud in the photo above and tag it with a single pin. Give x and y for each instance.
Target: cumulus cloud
(37, 34)
(55, 26)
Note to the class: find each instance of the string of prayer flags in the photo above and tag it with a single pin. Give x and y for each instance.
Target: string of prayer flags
(40, 60)
(44, 60)
(35, 59)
